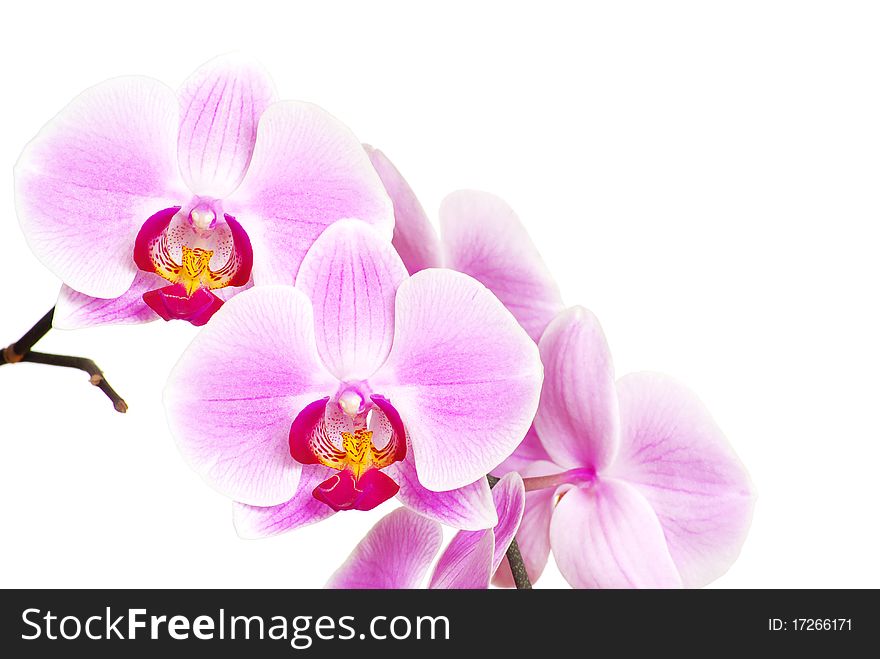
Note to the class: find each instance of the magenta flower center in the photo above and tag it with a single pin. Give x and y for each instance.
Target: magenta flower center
(342, 435)
(197, 250)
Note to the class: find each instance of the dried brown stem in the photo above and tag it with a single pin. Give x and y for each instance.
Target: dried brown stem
(20, 351)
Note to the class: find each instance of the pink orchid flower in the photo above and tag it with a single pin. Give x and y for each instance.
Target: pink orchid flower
(481, 236)
(637, 486)
(631, 484)
(398, 550)
(144, 201)
(357, 384)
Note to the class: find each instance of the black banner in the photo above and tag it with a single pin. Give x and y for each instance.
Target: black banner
(318, 623)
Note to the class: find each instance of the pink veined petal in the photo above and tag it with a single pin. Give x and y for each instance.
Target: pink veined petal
(533, 539)
(509, 496)
(414, 237)
(483, 237)
(533, 535)
(470, 507)
(395, 553)
(226, 294)
(301, 510)
(466, 563)
(608, 537)
(220, 107)
(307, 171)
(578, 419)
(463, 374)
(673, 452)
(351, 275)
(74, 310)
(93, 175)
(232, 396)
(527, 453)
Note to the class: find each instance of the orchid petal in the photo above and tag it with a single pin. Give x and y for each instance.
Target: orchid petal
(463, 374)
(529, 451)
(227, 293)
(235, 391)
(484, 238)
(533, 535)
(466, 563)
(301, 510)
(673, 452)
(470, 507)
(509, 496)
(414, 237)
(91, 177)
(220, 107)
(74, 310)
(395, 553)
(578, 419)
(351, 274)
(608, 537)
(532, 538)
(307, 171)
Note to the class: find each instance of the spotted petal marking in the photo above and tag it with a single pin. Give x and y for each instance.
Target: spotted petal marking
(182, 254)
(322, 434)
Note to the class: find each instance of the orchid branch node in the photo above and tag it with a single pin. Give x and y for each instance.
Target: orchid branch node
(20, 351)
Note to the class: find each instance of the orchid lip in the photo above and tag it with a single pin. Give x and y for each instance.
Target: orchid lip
(344, 491)
(340, 435)
(196, 254)
(174, 302)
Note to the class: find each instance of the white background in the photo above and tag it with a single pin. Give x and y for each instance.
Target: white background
(703, 176)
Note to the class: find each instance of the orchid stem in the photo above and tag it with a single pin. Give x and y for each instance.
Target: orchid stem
(514, 557)
(20, 348)
(20, 351)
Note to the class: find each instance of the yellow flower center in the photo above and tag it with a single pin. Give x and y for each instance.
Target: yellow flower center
(194, 271)
(358, 450)
(358, 454)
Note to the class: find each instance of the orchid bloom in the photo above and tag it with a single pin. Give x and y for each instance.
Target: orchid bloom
(632, 484)
(357, 384)
(144, 201)
(398, 550)
(481, 236)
